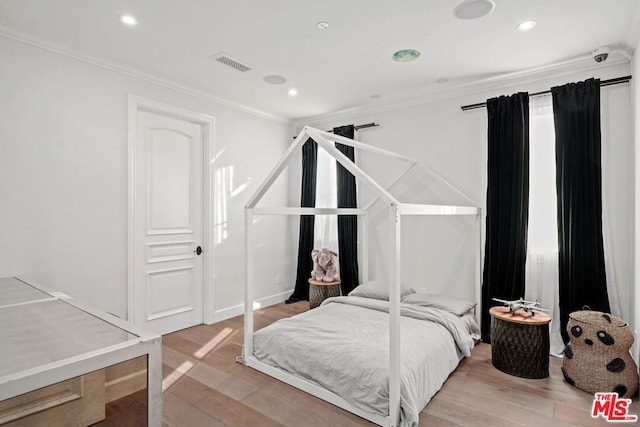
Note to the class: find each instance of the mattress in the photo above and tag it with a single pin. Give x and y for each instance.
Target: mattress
(343, 346)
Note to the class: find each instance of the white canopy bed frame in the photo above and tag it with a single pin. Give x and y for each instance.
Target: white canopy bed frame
(396, 210)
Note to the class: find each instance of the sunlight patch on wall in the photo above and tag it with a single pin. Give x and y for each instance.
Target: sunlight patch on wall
(224, 180)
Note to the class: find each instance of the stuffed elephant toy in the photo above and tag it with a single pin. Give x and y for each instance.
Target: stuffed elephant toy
(325, 265)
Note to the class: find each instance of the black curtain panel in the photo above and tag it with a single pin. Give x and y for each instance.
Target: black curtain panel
(582, 278)
(347, 224)
(507, 202)
(307, 222)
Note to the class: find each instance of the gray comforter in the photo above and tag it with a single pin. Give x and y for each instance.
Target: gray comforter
(343, 346)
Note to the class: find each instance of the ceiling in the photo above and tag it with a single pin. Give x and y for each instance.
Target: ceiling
(345, 66)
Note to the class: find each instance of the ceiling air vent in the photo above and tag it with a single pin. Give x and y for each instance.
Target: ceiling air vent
(225, 59)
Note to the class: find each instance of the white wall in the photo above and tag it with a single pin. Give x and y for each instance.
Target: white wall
(438, 255)
(63, 179)
(635, 282)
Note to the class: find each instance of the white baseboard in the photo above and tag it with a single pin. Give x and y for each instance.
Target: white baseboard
(237, 310)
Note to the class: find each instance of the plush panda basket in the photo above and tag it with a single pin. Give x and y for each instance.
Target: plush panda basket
(597, 357)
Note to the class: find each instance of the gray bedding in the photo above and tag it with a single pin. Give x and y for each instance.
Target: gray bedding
(343, 346)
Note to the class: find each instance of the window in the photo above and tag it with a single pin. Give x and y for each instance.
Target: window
(542, 236)
(543, 230)
(326, 226)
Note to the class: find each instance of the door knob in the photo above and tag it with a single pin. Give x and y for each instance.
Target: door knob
(198, 250)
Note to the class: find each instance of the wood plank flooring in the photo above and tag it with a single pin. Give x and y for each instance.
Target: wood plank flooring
(204, 386)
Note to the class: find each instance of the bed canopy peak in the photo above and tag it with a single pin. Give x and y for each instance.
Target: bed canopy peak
(377, 190)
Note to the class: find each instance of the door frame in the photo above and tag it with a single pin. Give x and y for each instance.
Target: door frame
(137, 103)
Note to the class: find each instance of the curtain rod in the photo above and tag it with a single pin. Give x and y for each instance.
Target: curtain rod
(358, 127)
(609, 82)
(363, 126)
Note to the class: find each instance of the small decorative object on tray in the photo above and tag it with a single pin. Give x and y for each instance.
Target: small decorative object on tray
(525, 307)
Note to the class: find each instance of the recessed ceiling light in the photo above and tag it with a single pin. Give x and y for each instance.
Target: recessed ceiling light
(323, 25)
(406, 55)
(526, 25)
(274, 79)
(473, 9)
(293, 92)
(129, 20)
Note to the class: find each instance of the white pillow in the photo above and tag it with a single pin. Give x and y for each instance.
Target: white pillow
(378, 290)
(452, 305)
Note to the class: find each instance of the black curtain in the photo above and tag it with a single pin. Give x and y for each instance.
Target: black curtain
(507, 202)
(582, 278)
(347, 224)
(307, 222)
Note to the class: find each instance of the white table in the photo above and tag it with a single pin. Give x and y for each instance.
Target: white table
(47, 337)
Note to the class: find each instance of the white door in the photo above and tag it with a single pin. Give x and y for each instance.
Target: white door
(168, 222)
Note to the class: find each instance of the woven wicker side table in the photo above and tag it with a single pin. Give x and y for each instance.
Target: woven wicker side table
(320, 291)
(520, 342)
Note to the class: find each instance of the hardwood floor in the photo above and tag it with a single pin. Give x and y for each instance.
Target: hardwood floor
(204, 386)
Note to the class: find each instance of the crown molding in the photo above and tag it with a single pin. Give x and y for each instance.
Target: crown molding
(579, 64)
(583, 63)
(31, 40)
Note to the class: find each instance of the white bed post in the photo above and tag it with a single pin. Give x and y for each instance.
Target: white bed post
(364, 239)
(394, 315)
(478, 272)
(248, 285)
(154, 383)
